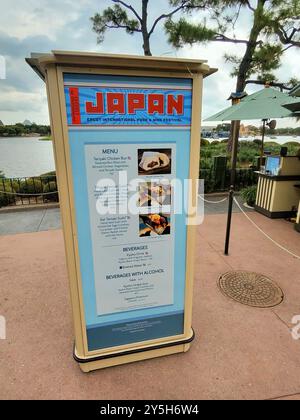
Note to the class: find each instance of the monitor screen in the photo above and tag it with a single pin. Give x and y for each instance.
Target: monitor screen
(273, 165)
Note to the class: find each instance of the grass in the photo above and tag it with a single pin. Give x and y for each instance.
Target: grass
(46, 138)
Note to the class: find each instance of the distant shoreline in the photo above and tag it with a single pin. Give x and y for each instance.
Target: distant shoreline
(45, 138)
(42, 138)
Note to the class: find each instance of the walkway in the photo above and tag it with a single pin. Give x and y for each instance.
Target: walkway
(49, 219)
(239, 352)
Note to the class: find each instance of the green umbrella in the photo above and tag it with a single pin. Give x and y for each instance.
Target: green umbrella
(294, 106)
(262, 105)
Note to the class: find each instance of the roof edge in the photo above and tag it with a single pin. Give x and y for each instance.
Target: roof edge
(40, 61)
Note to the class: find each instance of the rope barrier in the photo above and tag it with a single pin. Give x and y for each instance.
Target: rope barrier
(213, 202)
(265, 234)
(25, 194)
(202, 198)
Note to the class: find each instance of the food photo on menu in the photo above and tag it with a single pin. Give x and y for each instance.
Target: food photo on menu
(153, 194)
(154, 224)
(154, 161)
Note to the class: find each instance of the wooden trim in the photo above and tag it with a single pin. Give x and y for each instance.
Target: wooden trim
(280, 177)
(133, 351)
(56, 98)
(39, 62)
(134, 357)
(74, 237)
(64, 193)
(193, 198)
(274, 214)
(81, 341)
(271, 189)
(108, 350)
(258, 193)
(126, 72)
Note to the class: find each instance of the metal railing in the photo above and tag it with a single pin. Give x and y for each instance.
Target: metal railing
(28, 190)
(244, 178)
(43, 189)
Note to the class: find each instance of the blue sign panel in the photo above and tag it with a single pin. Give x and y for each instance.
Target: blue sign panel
(129, 142)
(103, 103)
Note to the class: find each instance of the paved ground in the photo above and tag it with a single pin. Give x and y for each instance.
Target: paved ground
(217, 205)
(239, 352)
(29, 221)
(48, 219)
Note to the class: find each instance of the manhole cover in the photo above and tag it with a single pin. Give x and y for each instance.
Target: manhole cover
(251, 289)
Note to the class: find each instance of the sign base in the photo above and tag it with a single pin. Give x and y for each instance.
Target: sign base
(121, 358)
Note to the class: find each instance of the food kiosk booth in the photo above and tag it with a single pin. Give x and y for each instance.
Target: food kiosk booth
(116, 119)
(278, 191)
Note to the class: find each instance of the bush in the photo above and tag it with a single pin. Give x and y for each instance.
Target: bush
(6, 199)
(271, 144)
(291, 144)
(249, 195)
(258, 142)
(49, 174)
(30, 186)
(51, 187)
(245, 156)
(204, 142)
(209, 182)
(206, 153)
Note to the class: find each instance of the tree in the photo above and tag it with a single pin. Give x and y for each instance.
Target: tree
(275, 28)
(223, 127)
(117, 17)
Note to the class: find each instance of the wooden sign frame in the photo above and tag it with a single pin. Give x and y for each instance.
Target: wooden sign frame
(52, 67)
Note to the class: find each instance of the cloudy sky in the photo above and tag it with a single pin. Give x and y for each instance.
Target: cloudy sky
(43, 25)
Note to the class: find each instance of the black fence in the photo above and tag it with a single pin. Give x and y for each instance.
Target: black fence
(24, 191)
(43, 189)
(212, 183)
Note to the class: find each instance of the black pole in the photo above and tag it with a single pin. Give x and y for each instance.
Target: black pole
(235, 142)
(262, 143)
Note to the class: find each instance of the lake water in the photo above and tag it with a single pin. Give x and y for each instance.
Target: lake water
(29, 156)
(25, 156)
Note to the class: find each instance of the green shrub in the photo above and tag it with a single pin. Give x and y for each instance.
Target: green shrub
(244, 156)
(30, 186)
(206, 164)
(249, 195)
(45, 180)
(207, 153)
(6, 199)
(51, 187)
(204, 142)
(291, 144)
(258, 142)
(271, 144)
(49, 174)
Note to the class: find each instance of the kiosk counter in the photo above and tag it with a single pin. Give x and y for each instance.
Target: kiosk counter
(278, 191)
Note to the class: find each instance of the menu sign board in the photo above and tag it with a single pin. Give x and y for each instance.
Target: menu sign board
(129, 140)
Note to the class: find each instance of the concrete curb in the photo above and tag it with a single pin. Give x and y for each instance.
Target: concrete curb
(29, 207)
